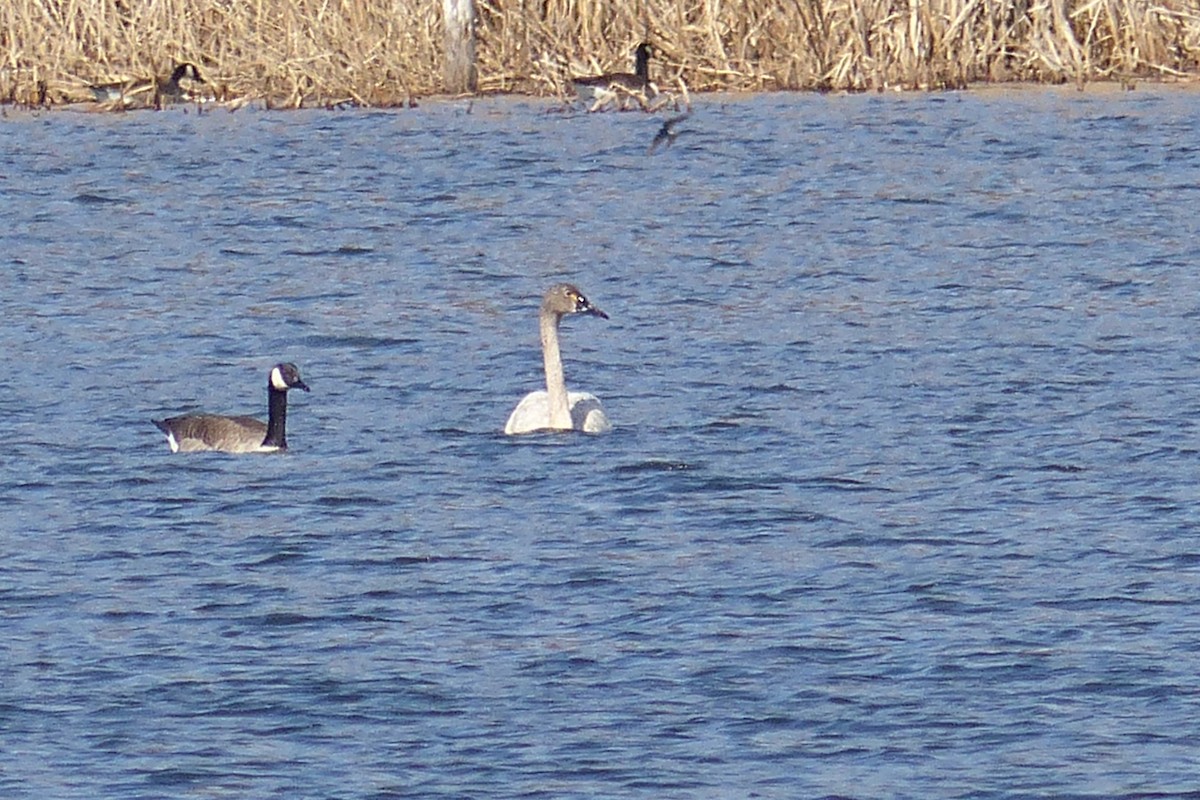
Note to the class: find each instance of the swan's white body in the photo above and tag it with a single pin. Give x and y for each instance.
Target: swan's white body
(533, 414)
(556, 409)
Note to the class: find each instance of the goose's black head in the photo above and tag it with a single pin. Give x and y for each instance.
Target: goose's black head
(186, 70)
(286, 376)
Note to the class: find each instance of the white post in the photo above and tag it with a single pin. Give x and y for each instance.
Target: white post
(460, 75)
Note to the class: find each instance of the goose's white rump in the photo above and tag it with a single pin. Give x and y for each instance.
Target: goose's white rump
(556, 409)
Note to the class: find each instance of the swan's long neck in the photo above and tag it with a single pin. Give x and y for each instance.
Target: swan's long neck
(276, 418)
(556, 386)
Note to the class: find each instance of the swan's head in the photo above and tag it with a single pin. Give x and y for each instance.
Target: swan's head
(286, 376)
(563, 298)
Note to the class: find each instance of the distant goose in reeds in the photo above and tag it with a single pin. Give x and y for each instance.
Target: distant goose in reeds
(556, 409)
(618, 85)
(667, 134)
(195, 432)
(125, 91)
(179, 86)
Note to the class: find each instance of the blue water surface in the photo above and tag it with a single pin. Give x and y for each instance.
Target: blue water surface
(901, 500)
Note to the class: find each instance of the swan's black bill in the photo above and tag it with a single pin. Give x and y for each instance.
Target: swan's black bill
(586, 307)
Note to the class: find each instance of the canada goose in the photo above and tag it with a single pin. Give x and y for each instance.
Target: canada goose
(125, 91)
(556, 408)
(667, 133)
(179, 86)
(193, 432)
(603, 87)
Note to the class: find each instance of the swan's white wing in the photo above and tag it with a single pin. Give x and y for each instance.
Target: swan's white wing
(531, 414)
(587, 414)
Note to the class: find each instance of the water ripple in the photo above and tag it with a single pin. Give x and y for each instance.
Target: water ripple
(899, 501)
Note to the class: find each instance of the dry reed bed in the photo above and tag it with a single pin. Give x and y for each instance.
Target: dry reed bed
(382, 52)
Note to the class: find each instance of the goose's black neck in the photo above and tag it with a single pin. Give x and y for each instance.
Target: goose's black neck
(641, 65)
(276, 418)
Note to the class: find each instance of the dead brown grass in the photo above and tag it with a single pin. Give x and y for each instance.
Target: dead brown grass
(382, 52)
(284, 52)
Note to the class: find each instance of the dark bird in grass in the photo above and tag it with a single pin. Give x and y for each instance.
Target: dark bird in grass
(598, 87)
(180, 86)
(667, 134)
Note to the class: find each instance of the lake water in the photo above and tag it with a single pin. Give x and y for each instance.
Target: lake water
(902, 499)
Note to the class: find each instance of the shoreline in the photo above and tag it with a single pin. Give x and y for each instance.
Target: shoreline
(673, 102)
